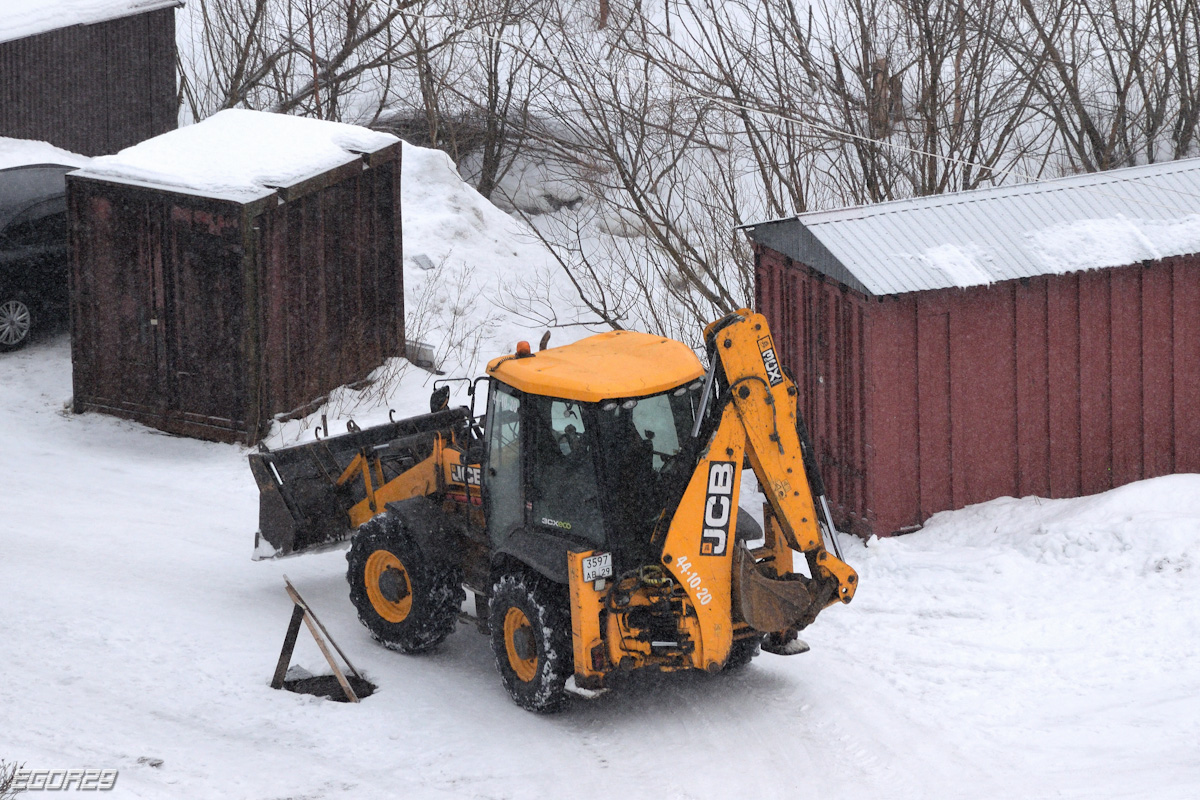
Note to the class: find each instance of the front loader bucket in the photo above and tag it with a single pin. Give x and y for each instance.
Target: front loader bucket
(301, 507)
(298, 513)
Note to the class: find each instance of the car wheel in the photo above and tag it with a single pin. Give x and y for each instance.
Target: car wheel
(16, 321)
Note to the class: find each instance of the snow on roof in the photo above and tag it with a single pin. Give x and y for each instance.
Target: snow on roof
(21, 18)
(24, 152)
(1081, 222)
(239, 155)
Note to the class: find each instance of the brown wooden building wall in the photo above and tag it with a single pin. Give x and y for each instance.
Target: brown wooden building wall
(207, 317)
(1056, 386)
(331, 282)
(92, 89)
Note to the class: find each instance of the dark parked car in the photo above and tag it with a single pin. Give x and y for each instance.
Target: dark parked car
(33, 250)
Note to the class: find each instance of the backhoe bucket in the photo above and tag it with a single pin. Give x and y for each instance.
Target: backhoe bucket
(301, 506)
(771, 604)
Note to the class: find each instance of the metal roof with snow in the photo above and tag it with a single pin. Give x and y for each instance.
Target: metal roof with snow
(984, 236)
(24, 153)
(21, 18)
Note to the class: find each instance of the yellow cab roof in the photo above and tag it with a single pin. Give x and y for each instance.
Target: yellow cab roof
(608, 365)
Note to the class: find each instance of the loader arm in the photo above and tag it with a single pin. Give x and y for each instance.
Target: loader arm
(753, 414)
(315, 495)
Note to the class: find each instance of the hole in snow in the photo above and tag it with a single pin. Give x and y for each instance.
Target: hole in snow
(327, 686)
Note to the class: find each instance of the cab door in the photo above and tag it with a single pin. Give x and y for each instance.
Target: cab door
(503, 483)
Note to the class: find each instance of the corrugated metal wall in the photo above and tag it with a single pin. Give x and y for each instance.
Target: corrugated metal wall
(92, 89)
(944, 396)
(819, 329)
(1054, 386)
(207, 317)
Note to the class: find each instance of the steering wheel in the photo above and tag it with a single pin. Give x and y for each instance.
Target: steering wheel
(669, 461)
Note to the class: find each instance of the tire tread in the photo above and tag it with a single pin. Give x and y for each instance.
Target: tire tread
(437, 589)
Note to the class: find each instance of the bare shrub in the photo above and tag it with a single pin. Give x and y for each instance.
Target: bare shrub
(8, 772)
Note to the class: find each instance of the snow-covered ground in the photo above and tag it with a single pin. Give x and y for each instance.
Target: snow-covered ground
(1021, 648)
(1017, 649)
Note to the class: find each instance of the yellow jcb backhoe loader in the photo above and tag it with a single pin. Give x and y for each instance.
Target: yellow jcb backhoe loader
(593, 512)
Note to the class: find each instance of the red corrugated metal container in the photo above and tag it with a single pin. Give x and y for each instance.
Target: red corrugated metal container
(1053, 385)
(208, 317)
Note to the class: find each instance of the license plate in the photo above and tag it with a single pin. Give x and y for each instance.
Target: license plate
(597, 566)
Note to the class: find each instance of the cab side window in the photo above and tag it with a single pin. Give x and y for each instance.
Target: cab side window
(502, 478)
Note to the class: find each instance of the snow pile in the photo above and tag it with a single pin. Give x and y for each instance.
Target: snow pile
(23, 152)
(21, 18)
(1095, 243)
(240, 155)
(1142, 528)
(536, 185)
(468, 270)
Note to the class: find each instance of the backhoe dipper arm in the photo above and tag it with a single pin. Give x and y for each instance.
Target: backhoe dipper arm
(765, 399)
(749, 411)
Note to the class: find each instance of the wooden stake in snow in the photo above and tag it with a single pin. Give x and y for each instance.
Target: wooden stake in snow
(301, 611)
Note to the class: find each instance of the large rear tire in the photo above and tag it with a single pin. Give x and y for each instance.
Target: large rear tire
(407, 601)
(531, 640)
(742, 653)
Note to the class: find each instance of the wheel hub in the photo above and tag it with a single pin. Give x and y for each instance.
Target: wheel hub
(393, 585)
(520, 644)
(14, 322)
(523, 644)
(388, 586)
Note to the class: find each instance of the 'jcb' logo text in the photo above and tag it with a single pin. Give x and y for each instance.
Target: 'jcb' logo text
(718, 509)
(770, 362)
(468, 475)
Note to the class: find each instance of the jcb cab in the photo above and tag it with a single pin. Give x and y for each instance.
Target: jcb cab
(594, 515)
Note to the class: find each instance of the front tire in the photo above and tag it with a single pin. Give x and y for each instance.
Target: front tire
(16, 322)
(531, 640)
(407, 601)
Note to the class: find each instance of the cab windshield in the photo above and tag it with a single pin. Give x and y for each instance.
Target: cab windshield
(640, 441)
(601, 473)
